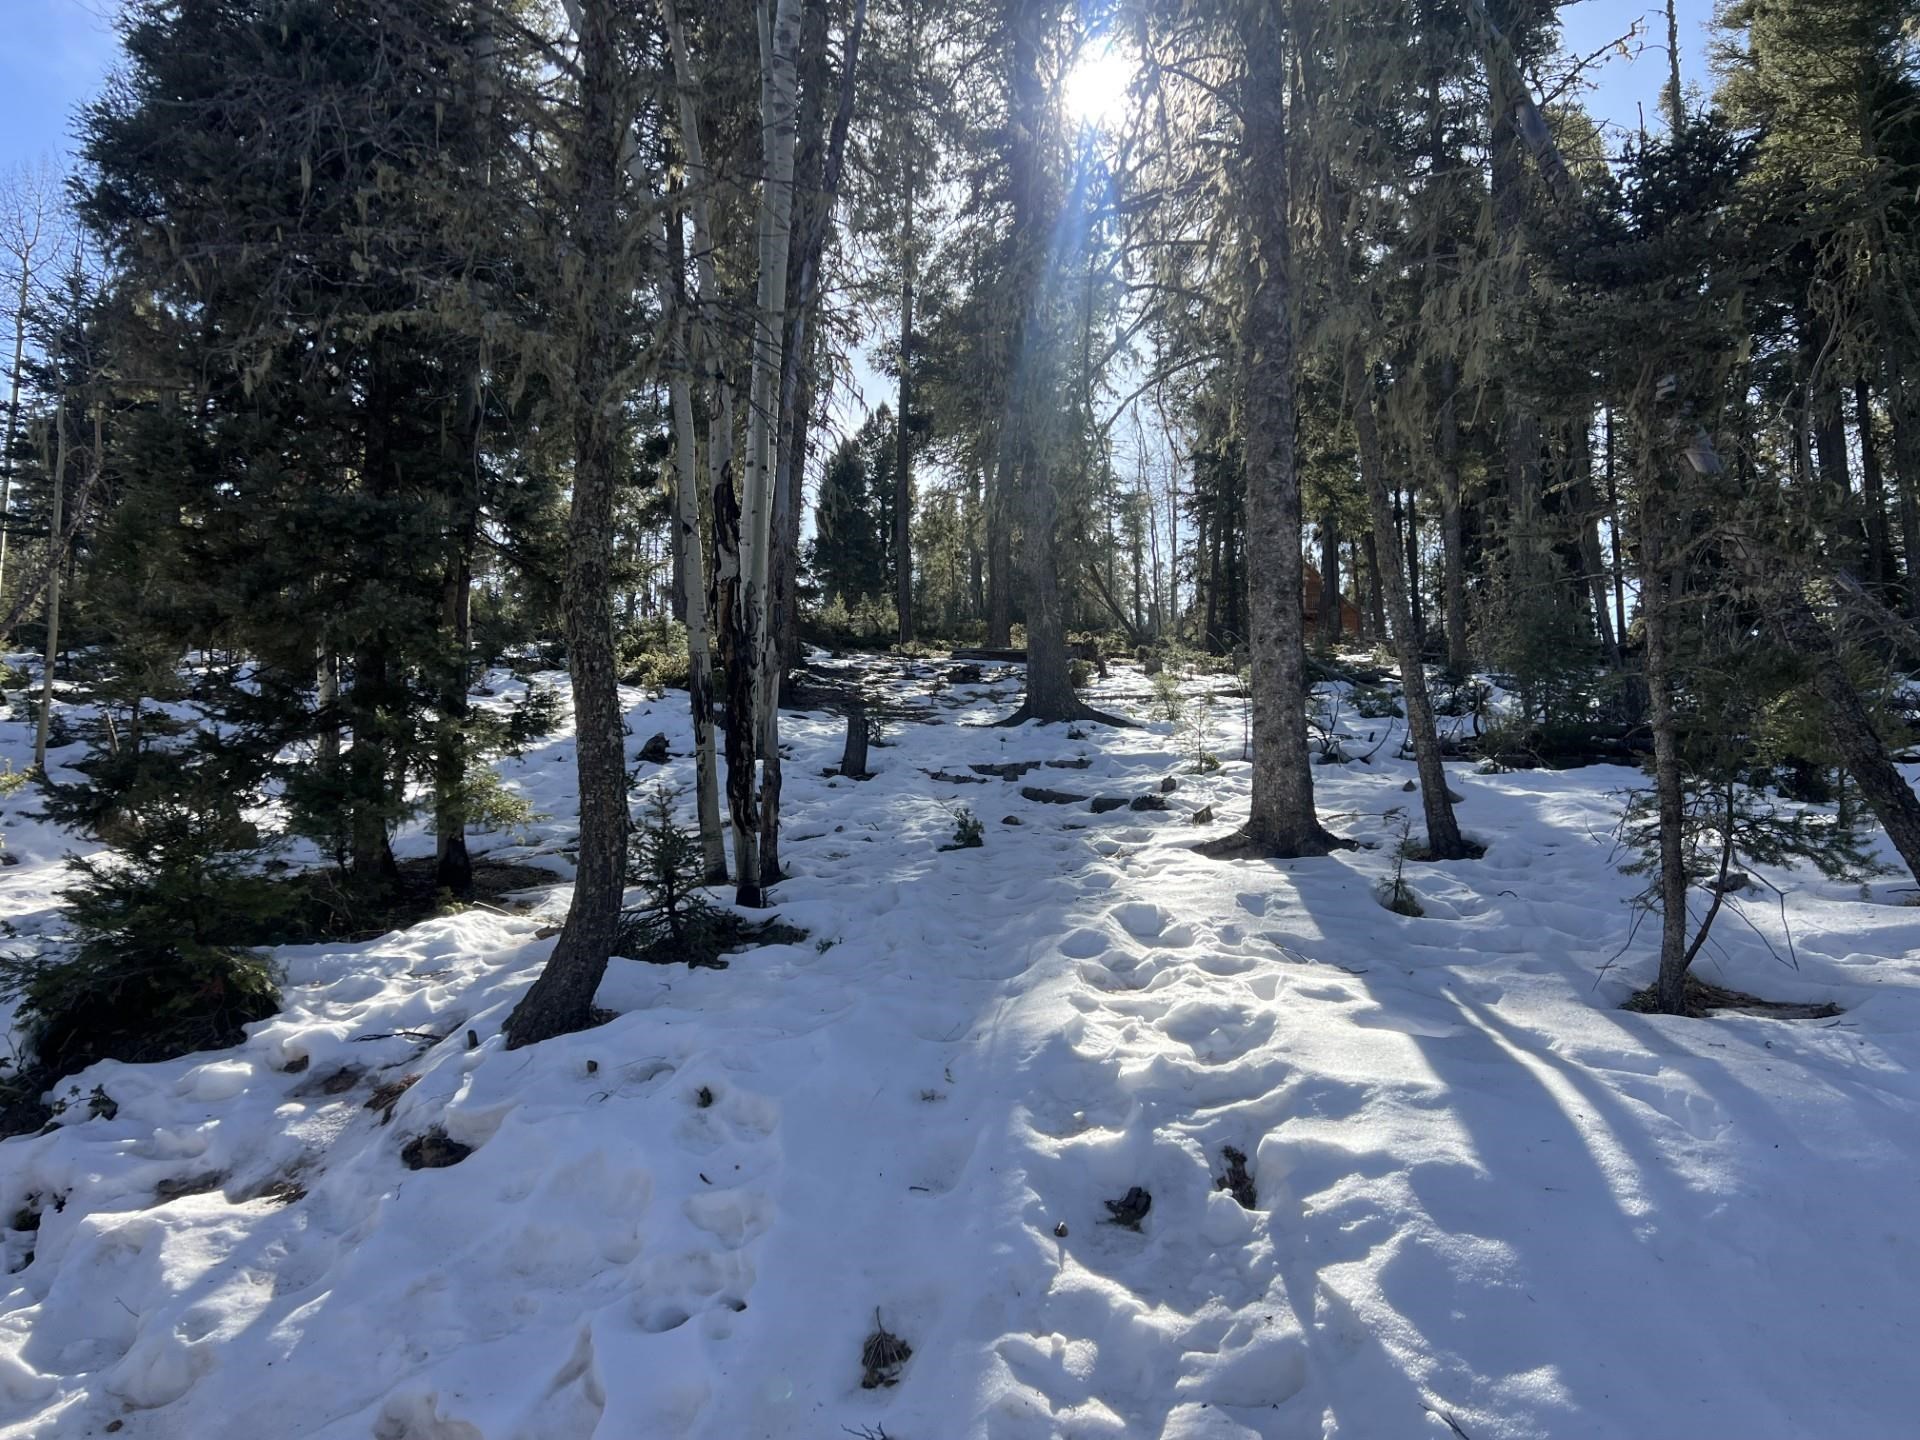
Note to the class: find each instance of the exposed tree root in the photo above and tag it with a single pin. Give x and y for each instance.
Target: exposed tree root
(1249, 844)
(1080, 712)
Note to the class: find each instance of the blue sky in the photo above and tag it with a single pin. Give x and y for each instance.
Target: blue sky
(55, 53)
(1625, 86)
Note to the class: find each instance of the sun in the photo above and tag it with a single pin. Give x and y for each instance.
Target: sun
(1094, 93)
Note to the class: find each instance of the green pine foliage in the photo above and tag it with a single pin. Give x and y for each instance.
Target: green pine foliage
(678, 924)
(853, 521)
(160, 964)
(665, 861)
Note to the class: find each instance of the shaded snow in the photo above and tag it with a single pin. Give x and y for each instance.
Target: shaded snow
(1484, 1191)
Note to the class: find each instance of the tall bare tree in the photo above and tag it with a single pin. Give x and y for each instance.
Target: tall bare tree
(33, 236)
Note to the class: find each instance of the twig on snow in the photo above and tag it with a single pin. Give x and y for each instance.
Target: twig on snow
(1452, 1424)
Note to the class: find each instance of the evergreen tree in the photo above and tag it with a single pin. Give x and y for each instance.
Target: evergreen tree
(853, 519)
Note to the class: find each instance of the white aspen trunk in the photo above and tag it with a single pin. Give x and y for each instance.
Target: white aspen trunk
(13, 406)
(326, 685)
(728, 600)
(778, 112)
(779, 83)
(690, 565)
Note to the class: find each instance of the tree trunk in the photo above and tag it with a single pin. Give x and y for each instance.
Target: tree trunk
(721, 596)
(561, 1000)
(1049, 695)
(755, 709)
(1206, 579)
(1444, 841)
(1452, 542)
(1873, 490)
(1282, 821)
(1032, 397)
(1376, 611)
(13, 409)
(812, 221)
(1850, 728)
(370, 698)
(903, 459)
(1412, 541)
(453, 866)
(789, 503)
(1587, 507)
(1619, 541)
(690, 563)
(1674, 97)
(1668, 786)
(999, 561)
(1836, 483)
(1329, 625)
(853, 759)
(53, 590)
(1526, 570)
(326, 691)
(976, 551)
(1903, 399)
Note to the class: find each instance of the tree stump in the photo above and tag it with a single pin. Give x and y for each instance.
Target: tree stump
(853, 760)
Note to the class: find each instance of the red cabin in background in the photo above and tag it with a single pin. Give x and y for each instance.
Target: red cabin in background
(1310, 599)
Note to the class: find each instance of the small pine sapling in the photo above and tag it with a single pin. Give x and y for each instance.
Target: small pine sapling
(678, 924)
(666, 861)
(1201, 759)
(968, 832)
(1395, 893)
(1167, 697)
(1727, 827)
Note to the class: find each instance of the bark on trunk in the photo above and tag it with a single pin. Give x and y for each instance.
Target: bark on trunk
(722, 591)
(1411, 539)
(903, 458)
(1444, 841)
(1282, 821)
(1670, 992)
(53, 592)
(976, 551)
(13, 408)
(1032, 397)
(853, 758)
(754, 710)
(1376, 611)
(561, 1000)
(1588, 509)
(1836, 481)
(1329, 626)
(1619, 542)
(690, 564)
(796, 403)
(1850, 727)
(1452, 540)
(1873, 490)
(999, 561)
(1904, 402)
(453, 865)
(370, 697)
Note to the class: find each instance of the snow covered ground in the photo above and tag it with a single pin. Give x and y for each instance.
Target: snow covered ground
(1489, 1202)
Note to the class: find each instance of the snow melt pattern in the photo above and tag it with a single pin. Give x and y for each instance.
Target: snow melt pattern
(1486, 1201)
